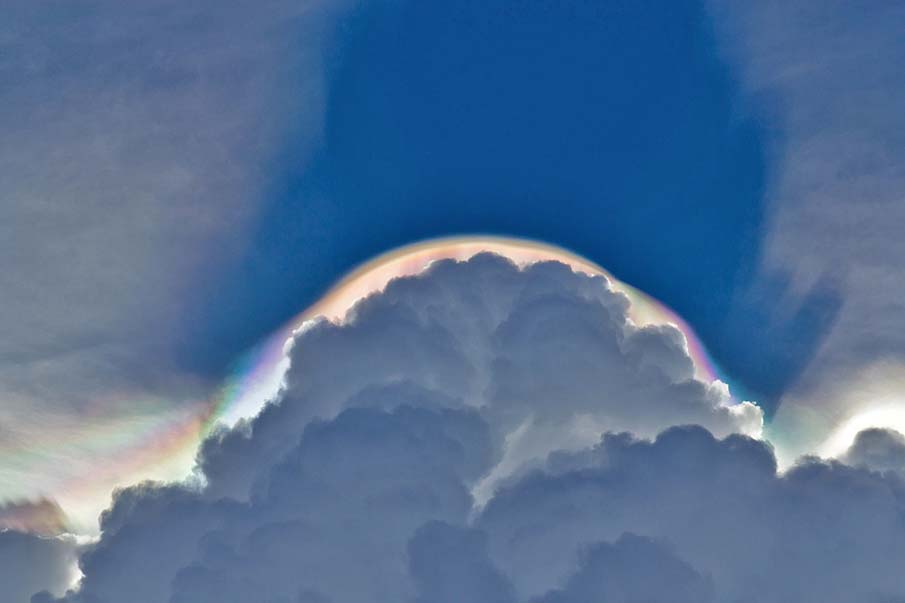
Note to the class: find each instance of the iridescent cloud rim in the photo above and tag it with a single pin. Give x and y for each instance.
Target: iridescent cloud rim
(258, 375)
(151, 443)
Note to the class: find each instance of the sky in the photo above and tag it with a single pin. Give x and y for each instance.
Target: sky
(646, 320)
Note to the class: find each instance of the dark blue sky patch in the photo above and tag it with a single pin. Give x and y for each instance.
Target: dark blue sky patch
(608, 128)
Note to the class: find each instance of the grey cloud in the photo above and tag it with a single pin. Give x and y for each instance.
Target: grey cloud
(821, 531)
(31, 563)
(149, 534)
(372, 506)
(827, 75)
(660, 349)
(541, 345)
(404, 468)
(135, 139)
(879, 449)
(632, 569)
(450, 564)
(43, 516)
(357, 483)
(333, 522)
(145, 112)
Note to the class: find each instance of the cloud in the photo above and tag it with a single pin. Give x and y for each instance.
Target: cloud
(363, 481)
(135, 142)
(543, 352)
(823, 75)
(632, 569)
(386, 428)
(879, 449)
(30, 563)
(451, 564)
(820, 532)
(333, 522)
(685, 517)
(43, 516)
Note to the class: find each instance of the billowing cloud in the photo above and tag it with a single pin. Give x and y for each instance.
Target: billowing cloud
(632, 569)
(879, 449)
(547, 354)
(820, 532)
(441, 385)
(445, 444)
(451, 564)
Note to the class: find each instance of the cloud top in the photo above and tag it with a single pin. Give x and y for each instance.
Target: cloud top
(491, 433)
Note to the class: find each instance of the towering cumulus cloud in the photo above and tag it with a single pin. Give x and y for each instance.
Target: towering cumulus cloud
(488, 433)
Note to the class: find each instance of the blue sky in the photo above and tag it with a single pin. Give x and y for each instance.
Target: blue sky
(616, 130)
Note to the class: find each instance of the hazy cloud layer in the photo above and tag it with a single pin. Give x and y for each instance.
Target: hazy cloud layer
(825, 76)
(358, 484)
(135, 139)
(43, 516)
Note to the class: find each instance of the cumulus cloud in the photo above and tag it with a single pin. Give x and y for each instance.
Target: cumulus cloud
(544, 353)
(333, 522)
(879, 449)
(820, 532)
(450, 564)
(632, 569)
(360, 482)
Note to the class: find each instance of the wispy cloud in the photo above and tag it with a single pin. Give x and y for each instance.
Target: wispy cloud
(135, 142)
(827, 75)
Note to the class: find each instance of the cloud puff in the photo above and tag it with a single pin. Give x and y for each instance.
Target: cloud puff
(545, 353)
(359, 483)
(820, 532)
(449, 564)
(879, 449)
(332, 524)
(42, 516)
(632, 569)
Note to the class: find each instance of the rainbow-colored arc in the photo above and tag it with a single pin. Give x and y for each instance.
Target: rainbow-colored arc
(259, 374)
(151, 444)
